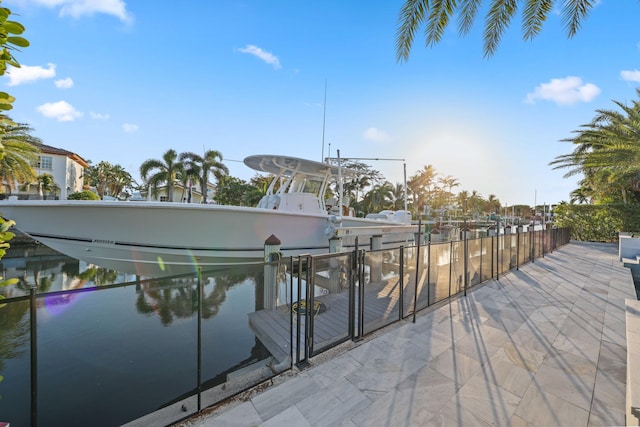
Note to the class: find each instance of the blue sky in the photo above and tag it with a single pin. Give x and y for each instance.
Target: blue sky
(124, 81)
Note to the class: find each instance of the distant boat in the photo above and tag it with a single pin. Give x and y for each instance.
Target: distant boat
(155, 238)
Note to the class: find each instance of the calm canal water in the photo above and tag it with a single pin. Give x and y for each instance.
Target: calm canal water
(113, 354)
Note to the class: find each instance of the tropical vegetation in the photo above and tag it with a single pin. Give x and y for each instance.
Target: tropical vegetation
(109, 180)
(19, 152)
(165, 171)
(607, 155)
(10, 41)
(201, 167)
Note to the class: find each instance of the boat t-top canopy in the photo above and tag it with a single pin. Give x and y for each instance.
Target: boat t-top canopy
(284, 165)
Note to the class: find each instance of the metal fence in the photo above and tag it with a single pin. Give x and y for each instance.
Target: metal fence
(153, 352)
(385, 286)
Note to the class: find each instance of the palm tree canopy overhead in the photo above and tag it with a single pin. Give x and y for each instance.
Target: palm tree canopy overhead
(436, 15)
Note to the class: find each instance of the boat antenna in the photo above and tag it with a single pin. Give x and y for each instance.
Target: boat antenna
(405, 187)
(340, 189)
(324, 117)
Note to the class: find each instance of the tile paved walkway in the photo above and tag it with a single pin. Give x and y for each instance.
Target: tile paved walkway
(543, 346)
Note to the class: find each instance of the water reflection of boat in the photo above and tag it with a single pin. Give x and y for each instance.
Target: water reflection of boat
(152, 238)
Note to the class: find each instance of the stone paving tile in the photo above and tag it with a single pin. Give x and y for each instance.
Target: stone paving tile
(404, 406)
(277, 399)
(609, 390)
(454, 413)
(428, 388)
(344, 399)
(545, 410)
(456, 366)
(382, 375)
(507, 375)
(482, 343)
(241, 415)
(508, 325)
(520, 356)
(603, 414)
(290, 417)
(487, 401)
(575, 389)
(585, 346)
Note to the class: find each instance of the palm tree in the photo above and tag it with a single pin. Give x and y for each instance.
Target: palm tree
(46, 183)
(493, 204)
(380, 197)
(120, 180)
(435, 15)
(449, 182)
(421, 186)
(397, 196)
(166, 170)
(476, 201)
(607, 152)
(202, 166)
(108, 179)
(18, 153)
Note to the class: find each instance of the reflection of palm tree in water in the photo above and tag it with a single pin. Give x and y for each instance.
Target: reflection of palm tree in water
(178, 298)
(14, 330)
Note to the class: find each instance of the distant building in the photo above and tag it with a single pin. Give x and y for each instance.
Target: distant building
(181, 194)
(65, 167)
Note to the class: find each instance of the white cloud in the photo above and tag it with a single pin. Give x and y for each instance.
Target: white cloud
(64, 83)
(62, 111)
(566, 91)
(376, 135)
(130, 128)
(79, 8)
(99, 116)
(30, 73)
(267, 57)
(630, 76)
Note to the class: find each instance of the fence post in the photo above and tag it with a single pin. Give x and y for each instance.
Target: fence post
(481, 256)
(517, 248)
(401, 284)
(450, 265)
(466, 265)
(415, 291)
(532, 244)
(428, 273)
(271, 251)
(200, 294)
(361, 295)
(310, 306)
(498, 255)
(33, 324)
(353, 276)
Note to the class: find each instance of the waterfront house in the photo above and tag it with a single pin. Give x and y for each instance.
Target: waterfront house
(181, 193)
(65, 167)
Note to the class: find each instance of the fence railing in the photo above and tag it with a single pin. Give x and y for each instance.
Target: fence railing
(385, 286)
(87, 347)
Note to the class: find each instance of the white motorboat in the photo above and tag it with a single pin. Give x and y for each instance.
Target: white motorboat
(152, 238)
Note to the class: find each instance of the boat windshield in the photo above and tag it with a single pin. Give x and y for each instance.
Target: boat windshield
(301, 183)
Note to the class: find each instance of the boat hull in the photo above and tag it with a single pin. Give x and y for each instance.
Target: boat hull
(151, 239)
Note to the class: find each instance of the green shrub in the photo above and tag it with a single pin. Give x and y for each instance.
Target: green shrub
(83, 195)
(598, 223)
